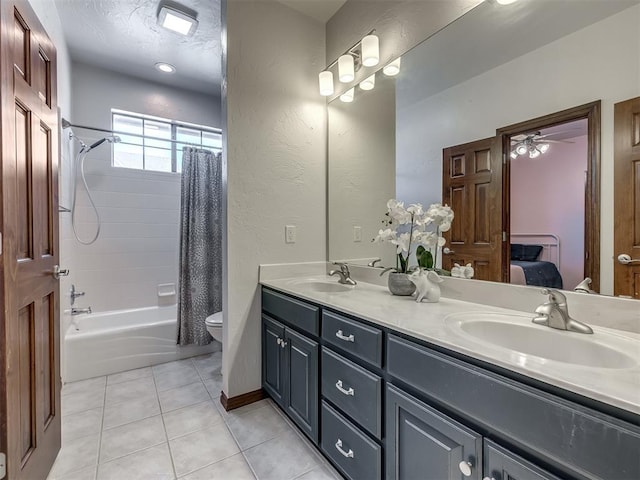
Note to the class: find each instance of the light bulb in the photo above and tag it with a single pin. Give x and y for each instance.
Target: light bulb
(534, 152)
(370, 51)
(326, 83)
(521, 149)
(345, 69)
(543, 147)
(347, 97)
(506, 2)
(368, 83)
(393, 68)
(513, 154)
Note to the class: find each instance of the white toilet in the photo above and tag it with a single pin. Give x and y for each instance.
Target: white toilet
(214, 325)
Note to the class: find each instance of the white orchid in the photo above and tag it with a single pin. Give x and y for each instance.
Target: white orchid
(412, 222)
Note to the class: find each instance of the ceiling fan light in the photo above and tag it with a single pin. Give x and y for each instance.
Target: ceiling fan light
(513, 154)
(521, 149)
(534, 153)
(346, 69)
(543, 147)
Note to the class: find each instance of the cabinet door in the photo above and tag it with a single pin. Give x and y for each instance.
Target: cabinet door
(273, 354)
(301, 389)
(501, 464)
(423, 443)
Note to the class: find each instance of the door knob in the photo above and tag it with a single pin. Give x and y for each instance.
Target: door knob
(625, 259)
(59, 272)
(447, 251)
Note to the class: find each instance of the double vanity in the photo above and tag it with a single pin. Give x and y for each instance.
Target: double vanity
(389, 388)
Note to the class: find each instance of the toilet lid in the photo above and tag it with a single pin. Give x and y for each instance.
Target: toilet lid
(215, 319)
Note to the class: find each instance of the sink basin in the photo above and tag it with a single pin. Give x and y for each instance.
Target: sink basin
(517, 333)
(321, 286)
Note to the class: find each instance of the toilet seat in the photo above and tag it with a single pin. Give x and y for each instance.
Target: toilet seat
(214, 320)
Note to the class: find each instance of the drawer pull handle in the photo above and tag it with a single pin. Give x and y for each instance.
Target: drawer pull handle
(465, 468)
(339, 386)
(348, 454)
(344, 337)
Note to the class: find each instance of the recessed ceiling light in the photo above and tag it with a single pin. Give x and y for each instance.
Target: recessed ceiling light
(165, 67)
(177, 21)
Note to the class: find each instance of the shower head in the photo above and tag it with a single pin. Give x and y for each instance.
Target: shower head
(110, 139)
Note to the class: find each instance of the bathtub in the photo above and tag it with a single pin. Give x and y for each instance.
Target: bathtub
(116, 341)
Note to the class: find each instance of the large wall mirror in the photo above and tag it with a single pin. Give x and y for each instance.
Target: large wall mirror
(537, 83)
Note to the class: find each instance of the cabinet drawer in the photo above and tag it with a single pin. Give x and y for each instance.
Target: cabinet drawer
(354, 390)
(294, 312)
(361, 340)
(355, 455)
(569, 436)
(501, 464)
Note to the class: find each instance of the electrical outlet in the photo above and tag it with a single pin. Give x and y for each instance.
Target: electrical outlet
(357, 234)
(290, 234)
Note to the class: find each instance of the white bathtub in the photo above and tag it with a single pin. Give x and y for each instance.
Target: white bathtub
(111, 342)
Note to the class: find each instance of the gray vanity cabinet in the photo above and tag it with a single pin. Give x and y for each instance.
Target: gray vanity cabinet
(273, 359)
(501, 464)
(424, 443)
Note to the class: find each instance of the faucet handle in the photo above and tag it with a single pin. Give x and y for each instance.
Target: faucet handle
(554, 295)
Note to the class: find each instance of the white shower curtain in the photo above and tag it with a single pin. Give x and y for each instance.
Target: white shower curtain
(200, 268)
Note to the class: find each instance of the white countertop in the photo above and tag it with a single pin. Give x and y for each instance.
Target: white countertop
(619, 387)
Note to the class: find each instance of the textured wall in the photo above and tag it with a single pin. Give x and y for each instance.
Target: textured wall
(138, 245)
(276, 164)
(400, 25)
(589, 71)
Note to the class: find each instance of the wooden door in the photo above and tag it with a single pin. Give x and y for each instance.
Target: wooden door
(626, 236)
(472, 187)
(30, 338)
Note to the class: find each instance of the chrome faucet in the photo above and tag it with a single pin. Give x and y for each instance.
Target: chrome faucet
(75, 294)
(80, 311)
(345, 274)
(555, 314)
(372, 263)
(584, 286)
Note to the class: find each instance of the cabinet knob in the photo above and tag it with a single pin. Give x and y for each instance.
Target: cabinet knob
(278, 340)
(283, 343)
(465, 468)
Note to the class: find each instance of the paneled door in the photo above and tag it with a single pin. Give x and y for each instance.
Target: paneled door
(29, 333)
(472, 187)
(626, 236)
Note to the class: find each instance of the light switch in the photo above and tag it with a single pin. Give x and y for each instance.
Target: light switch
(357, 233)
(290, 234)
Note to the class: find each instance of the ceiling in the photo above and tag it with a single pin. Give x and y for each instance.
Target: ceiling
(123, 35)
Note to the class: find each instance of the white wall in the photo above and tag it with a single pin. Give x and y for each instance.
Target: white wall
(275, 156)
(138, 244)
(589, 62)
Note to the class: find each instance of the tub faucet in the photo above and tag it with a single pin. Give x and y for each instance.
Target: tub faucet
(80, 311)
(555, 314)
(345, 274)
(75, 294)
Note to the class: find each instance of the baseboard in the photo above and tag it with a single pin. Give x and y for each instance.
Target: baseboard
(241, 400)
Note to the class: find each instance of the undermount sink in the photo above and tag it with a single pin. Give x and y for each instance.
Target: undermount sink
(517, 333)
(321, 286)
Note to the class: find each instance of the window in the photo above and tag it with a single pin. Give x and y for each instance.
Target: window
(153, 143)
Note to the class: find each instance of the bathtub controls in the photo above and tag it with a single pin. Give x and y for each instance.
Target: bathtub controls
(59, 272)
(75, 294)
(80, 311)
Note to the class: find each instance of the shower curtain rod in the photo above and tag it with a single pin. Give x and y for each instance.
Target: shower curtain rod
(67, 124)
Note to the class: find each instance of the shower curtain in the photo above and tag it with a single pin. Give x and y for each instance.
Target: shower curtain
(200, 268)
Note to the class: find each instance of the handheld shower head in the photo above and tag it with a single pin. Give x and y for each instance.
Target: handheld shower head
(110, 139)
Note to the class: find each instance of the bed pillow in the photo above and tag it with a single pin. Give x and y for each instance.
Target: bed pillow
(526, 253)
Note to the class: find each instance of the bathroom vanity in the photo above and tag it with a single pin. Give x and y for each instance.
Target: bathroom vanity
(388, 388)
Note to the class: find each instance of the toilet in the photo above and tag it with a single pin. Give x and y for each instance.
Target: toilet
(214, 325)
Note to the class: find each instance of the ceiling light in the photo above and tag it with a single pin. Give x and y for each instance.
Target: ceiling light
(370, 51)
(326, 83)
(346, 72)
(534, 152)
(368, 83)
(513, 154)
(506, 2)
(521, 149)
(347, 97)
(543, 147)
(165, 67)
(177, 21)
(393, 68)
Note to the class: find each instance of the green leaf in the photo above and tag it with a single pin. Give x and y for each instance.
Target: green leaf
(424, 257)
(403, 263)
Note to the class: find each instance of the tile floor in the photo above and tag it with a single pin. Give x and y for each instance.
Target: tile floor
(166, 422)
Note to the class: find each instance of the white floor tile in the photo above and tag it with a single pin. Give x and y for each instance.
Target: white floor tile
(151, 464)
(282, 458)
(130, 391)
(239, 411)
(190, 419)
(257, 426)
(183, 396)
(76, 454)
(81, 401)
(176, 378)
(209, 366)
(91, 384)
(84, 474)
(120, 441)
(320, 473)
(232, 468)
(214, 385)
(117, 414)
(178, 365)
(129, 375)
(196, 450)
(81, 424)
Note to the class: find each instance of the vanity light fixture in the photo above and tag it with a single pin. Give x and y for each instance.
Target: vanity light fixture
(165, 67)
(347, 97)
(177, 20)
(368, 83)
(346, 68)
(365, 52)
(393, 68)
